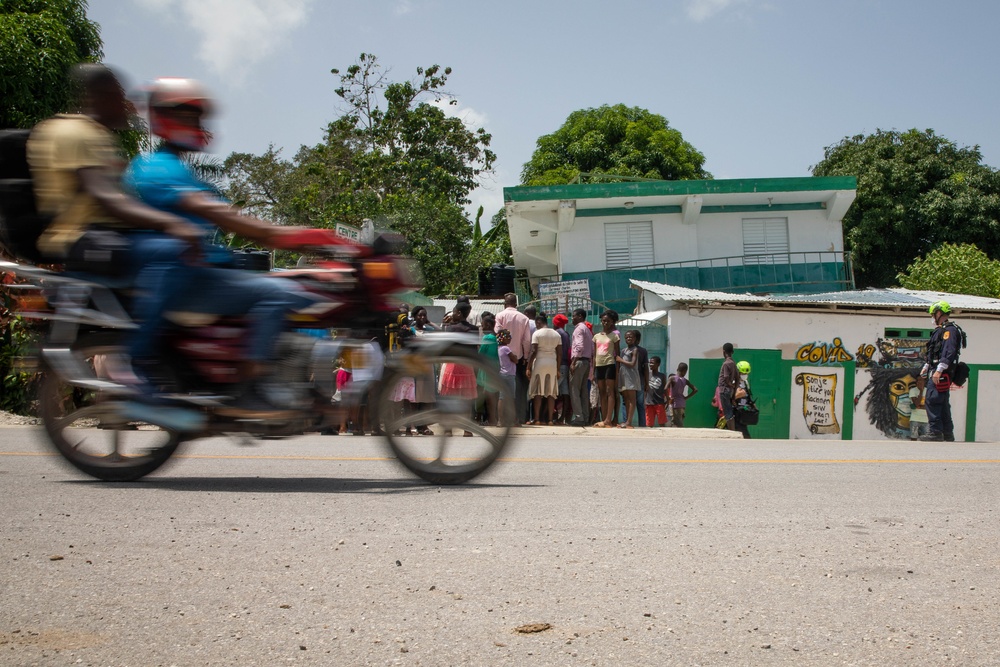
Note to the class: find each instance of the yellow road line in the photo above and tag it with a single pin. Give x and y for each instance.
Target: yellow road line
(267, 457)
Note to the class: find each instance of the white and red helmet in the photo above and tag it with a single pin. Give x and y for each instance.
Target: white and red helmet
(168, 95)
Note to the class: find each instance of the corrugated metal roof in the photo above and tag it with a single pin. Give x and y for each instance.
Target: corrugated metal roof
(689, 295)
(896, 297)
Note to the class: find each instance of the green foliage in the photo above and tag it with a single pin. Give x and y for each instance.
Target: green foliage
(439, 238)
(613, 140)
(916, 191)
(40, 40)
(17, 337)
(959, 269)
(494, 246)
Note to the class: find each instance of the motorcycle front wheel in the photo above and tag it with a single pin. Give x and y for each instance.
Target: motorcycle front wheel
(87, 427)
(454, 447)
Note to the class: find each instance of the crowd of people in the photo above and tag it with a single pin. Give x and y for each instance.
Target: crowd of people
(559, 372)
(548, 375)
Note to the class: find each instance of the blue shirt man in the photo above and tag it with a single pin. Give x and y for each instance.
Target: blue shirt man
(163, 180)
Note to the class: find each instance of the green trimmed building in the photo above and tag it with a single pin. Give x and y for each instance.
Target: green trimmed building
(765, 235)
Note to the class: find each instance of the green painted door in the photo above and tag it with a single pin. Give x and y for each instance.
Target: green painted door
(767, 387)
(766, 384)
(704, 374)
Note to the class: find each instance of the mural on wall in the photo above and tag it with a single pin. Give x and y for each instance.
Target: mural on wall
(890, 366)
(863, 357)
(819, 402)
(820, 415)
(888, 406)
(892, 376)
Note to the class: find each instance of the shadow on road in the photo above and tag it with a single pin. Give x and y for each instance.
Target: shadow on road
(293, 485)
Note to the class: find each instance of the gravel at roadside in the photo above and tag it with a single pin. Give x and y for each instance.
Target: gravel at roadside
(10, 419)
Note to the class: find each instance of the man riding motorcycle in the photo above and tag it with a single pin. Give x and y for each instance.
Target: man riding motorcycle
(165, 181)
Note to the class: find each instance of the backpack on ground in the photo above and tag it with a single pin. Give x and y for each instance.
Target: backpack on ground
(20, 222)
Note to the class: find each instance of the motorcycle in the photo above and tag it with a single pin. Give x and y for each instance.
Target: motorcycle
(104, 430)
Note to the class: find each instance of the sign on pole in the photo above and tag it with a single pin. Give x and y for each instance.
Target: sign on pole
(347, 231)
(564, 296)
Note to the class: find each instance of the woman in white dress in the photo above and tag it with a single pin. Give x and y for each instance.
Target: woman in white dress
(543, 368)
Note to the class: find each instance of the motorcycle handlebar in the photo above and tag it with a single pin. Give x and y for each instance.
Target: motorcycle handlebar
(320, 240)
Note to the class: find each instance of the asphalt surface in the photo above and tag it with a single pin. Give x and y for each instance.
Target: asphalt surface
(616, 549)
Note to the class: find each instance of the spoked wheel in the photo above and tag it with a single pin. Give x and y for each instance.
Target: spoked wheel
(447, 456)
(88, 427)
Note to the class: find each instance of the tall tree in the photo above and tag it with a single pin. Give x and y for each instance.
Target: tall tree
(40, 40)
(392, 156)
(617, 140)
(916, 190)
(407, 142)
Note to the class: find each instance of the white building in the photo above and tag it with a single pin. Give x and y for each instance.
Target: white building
(769, 234)
(828, 365)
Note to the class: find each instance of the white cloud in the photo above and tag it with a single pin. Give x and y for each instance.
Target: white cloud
(235, 34)
(702, 10)
(473, 119)
(489, 195)
(402, 8)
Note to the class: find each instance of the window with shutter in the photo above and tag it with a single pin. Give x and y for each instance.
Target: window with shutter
(764, 239)
(628, 244)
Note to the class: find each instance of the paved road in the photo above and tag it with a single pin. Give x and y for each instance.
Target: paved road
(641, 551)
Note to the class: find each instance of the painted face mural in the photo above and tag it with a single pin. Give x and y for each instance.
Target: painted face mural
(893, 374)
(888, 405)
(899, 396)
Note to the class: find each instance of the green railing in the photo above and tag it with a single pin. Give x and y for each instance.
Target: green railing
(790, 272)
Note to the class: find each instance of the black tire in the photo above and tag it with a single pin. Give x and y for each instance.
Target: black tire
(425, 455)
(86, 429)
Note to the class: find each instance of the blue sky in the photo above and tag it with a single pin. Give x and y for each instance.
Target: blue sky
(760, 87)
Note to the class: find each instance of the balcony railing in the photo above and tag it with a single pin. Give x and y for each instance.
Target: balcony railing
(787, 272)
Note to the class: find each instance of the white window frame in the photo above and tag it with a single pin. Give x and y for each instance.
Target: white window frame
(628, 244)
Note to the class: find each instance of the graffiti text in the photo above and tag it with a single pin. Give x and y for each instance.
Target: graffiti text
(824, 353)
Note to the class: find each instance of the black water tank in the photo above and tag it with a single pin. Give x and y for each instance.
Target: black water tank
(485, 282)
(502, 277)
(496, 280)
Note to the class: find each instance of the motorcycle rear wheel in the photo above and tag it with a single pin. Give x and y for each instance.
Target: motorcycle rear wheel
(446, 457)
(85, 427)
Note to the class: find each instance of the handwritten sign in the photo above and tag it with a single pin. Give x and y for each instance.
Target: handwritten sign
(819, 402)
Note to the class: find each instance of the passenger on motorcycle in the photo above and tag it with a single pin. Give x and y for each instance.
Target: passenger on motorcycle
(96, 227)
(162, 179)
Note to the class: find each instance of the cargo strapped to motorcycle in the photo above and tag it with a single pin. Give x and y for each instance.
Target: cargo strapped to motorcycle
(20, 222)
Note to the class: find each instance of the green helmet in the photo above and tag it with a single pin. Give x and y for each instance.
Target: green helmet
(943, 306)
(743, 367)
